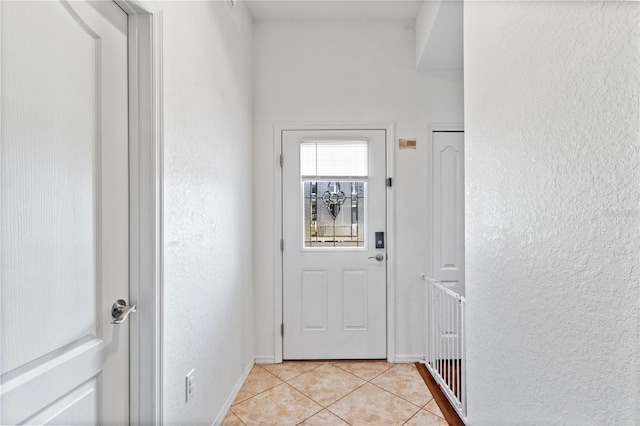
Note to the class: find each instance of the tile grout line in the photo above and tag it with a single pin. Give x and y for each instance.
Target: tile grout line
(414, 414)
(281, 383)
(324, 407)
(377, 375)
(404, 399)
(384, 390)
(252, 396)
(264, 369)
(344, 396)
(320, 404)
(435, 414)
(339, 416)
(262, 391)
(370, 381)
(424, 407)
(238, 417)
(327, 406)
(304, 420)
(401, 397)
(398, 396)
(297, 375)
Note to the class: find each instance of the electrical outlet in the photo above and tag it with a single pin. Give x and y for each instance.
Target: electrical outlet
(188, 385)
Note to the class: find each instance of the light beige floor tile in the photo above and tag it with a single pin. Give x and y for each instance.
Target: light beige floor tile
(281, 405)
(326, 384)
(405, 381)
(366, 370)
(231, 420)
(259, 380)
(324, 418)
(370, 405)
(426, 418)
(290, 369)
(433, 407)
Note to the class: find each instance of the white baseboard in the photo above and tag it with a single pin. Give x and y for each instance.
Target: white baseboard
(405, 359)
(232, 397)
(265, 360)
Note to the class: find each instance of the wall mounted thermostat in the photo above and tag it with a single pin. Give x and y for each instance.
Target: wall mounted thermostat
(379, 239)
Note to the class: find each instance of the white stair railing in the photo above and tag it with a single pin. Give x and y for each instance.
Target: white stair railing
(446, 356)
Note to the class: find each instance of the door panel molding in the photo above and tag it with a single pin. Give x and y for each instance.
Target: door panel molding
(68, 124)
(21, 401)
(278, 129)
(354, 289)
(314, 289)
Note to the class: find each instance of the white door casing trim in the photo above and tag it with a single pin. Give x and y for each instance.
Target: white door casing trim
(145, 211)
(278, 128)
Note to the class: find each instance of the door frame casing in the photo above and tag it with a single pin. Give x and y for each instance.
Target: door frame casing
(278, 129)
(145, 209)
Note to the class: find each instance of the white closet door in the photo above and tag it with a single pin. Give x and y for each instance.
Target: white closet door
(448, 209)
(63, 212)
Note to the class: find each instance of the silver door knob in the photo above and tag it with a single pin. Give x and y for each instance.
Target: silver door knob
(120, 311)
(379, 257)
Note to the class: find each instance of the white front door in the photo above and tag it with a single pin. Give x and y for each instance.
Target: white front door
(63, 213)
(448, 209)
(334, 227)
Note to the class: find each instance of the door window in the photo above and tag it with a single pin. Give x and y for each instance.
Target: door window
(333, 175)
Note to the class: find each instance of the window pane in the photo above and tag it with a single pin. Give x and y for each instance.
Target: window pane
(334, 213)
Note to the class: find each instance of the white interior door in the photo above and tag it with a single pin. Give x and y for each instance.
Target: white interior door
(63, 213)
(448, 209)
(334, 202)
(448, 237)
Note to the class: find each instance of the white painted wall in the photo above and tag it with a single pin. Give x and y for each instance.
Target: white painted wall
(346, 71)
(552, 172)
(439, 35)
(208, 288)
(425, 20)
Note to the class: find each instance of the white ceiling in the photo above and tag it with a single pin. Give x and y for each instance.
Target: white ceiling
(332, 9)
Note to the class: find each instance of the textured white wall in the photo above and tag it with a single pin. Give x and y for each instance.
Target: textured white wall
(552, 218)
(208, 322)
(346, 71)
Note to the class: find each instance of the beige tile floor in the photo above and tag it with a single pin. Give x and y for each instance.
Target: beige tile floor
(334, 393)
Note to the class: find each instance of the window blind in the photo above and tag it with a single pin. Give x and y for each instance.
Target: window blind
(334, 158)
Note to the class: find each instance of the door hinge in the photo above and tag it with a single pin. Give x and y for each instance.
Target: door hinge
(281, 160)
(282, 244)
(282, 329)
(389, 182)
